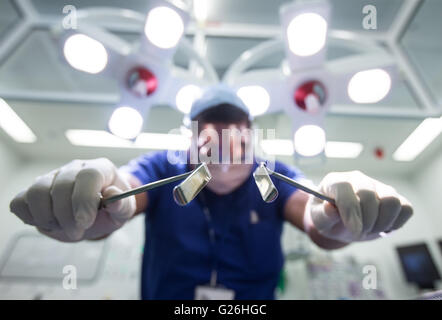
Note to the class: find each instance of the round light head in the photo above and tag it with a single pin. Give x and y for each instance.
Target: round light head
(142, 82)
(164, 27)
(256, 98)
(186, 96)
(126, 123)
(85, 54)
(310, 96)
(369, 86)
(306, 34)
(309, 140)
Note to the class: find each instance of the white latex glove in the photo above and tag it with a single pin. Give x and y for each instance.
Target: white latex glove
(63, 204)
(364, 208)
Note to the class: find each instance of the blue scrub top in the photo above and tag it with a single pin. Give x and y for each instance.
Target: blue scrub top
(178, 255)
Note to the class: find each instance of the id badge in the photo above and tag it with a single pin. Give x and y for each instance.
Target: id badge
(213, 293)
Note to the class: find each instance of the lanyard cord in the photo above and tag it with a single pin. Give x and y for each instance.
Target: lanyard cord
(212, 239)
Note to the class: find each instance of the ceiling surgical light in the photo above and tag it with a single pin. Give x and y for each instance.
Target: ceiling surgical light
(85, 54)
(306, 34)
(419, 139)
(200, 9)
(310, 96)
(309, 140)
(142, 82)
(369, 86)
(256, 98)
(333, 149)
(186, 96)
(164, 27)
(126, 122)
(146, 140)
(281, 147)
(96, 138)
(14, 126)
(162, 141)
(341, 149)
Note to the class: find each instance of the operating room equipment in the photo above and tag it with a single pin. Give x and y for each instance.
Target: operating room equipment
(267, 188)
(183, 193)
(305, 84)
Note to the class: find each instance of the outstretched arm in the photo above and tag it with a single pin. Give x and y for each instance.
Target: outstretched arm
(64, 204)
(365, 209)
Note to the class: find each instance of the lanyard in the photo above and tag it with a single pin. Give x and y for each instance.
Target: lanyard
(212, 239)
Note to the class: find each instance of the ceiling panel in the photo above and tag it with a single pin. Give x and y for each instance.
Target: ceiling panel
(245, 11)
(180, 58)
(422, 42)
(36, 66)
(49, 121)
(55, 7)
(223, 51)
(400, 96)
(9, 16)
(346, 14)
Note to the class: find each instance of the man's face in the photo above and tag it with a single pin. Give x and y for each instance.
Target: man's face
(231, 141)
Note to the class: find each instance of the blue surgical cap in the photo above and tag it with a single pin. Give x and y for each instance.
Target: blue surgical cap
(216, 95)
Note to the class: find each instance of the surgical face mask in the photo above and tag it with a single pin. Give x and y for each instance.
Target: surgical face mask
(228, 177)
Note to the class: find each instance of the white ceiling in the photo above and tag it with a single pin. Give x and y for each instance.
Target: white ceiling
(34, 66)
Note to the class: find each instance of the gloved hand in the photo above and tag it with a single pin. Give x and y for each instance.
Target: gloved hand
(364, 208)
(63, 204)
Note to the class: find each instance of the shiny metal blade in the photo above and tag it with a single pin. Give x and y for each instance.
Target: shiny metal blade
(187, 190)
(265, 185)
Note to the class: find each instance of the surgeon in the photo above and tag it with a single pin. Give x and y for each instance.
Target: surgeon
(224, 244)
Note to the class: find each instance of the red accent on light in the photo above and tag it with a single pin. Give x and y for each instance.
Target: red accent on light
(142, 82)
(312, 87)
(379, 153)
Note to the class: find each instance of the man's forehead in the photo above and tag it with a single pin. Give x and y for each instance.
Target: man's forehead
(222, 126)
